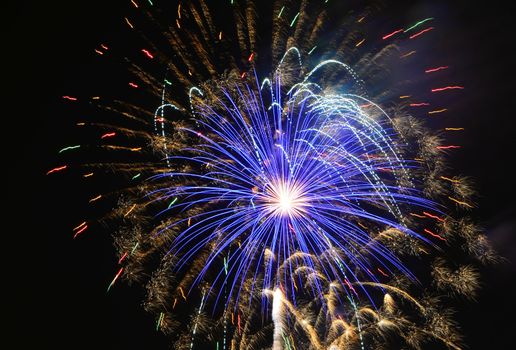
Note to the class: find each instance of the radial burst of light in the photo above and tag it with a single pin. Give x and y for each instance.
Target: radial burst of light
(294, 171)
(273, 202)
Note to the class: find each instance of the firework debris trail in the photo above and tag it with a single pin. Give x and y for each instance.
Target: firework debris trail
(285, 190)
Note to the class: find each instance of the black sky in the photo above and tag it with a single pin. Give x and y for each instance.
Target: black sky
(56, 285)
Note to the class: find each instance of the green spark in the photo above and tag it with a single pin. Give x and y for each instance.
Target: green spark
(168, 82)
(150, 2)
(172, 203)
(281, 11)
(69, 148)
(312, 50)
(292, 23)
(134, 248)
(136, 176)
(158, 324)
(418, 23)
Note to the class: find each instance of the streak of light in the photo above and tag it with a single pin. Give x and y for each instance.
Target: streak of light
(57, 169)
(360, 43)
(433, 216)
(88, 175)
(408, 54)
(421, 32)
(128, 23)
(454, 87)
(418, 24)
(460, 202)
(391, 34)
(453, 129)
(448, 147)
(448, 179)
(79, 226)
(70, 98)
(382, 272)
(147, 53)
(80, 231)
(109, 134)
(281, 11)
(95, 198)
(122, 258)
(130, 210)
(160, 319)
(69, 148)
(434, 234)
(438, 111)
(432, 70)
(114, 279)
(294, 20)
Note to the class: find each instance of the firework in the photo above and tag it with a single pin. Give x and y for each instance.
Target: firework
(281, 197)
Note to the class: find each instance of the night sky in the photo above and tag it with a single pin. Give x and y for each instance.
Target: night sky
(56, 286)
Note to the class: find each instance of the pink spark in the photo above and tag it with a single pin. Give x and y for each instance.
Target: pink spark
(147, 53)
(431, 70)
(455, 87)
(109, 134)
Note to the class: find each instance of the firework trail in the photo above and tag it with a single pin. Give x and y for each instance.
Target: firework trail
(281, 185)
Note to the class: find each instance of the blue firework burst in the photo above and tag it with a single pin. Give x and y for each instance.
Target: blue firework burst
(285, 170)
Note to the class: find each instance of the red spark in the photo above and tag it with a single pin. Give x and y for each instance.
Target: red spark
(133, 85)
(434, 234)
(104, 47)
(421, 32)
(250, 59)
(419, 104)
(391, 34)
(80, 231)
(57, 169)
(433, 216)
(122, 258)
(66, 97)
(350, 286)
